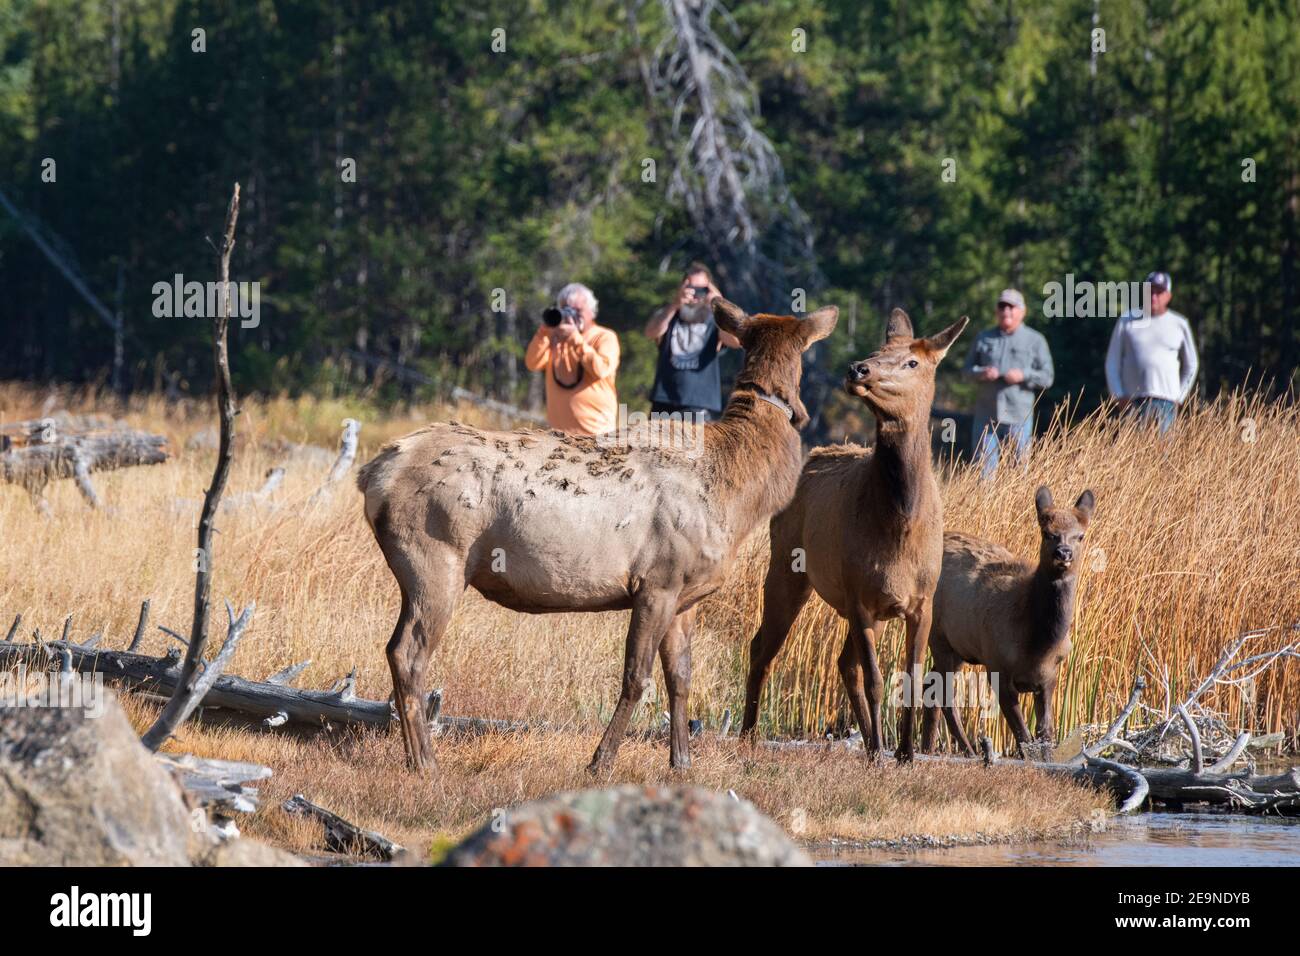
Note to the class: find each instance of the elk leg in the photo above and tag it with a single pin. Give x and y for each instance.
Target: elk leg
(949, 665)
(651, 618)
(418, 631)
(1046, 725)
(930, 729)
(857, 660)
(956, 730)
(675, 655)
(785, 592)
(1010, 703)
(918, 641)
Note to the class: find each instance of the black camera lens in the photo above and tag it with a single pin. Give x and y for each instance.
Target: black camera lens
(565, 313)
(701, 291)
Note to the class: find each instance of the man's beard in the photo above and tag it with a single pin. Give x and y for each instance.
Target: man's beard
(693, 313)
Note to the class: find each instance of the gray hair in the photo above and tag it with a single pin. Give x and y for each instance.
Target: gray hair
(577, 288)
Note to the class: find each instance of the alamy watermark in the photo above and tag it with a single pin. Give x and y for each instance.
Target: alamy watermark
(676, 431)
(1095, 300)
(42, 689)
(951, 689)
(202, 300)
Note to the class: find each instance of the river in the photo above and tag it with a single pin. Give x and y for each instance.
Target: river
(1147, 839)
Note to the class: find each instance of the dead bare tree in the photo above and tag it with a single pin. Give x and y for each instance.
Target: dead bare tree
(725, 172)
(197, 675)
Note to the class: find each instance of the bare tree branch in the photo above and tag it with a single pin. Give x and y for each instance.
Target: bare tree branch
(187, 695)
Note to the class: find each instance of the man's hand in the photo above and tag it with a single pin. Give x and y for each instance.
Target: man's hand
(1014, 376)
(989, 374)
(564, 332)
(685, 295)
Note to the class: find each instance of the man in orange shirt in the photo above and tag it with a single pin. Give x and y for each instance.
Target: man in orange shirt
(579, 359)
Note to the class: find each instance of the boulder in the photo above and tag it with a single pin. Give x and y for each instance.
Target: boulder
(631, 825)
(245, 852)
(78, 788)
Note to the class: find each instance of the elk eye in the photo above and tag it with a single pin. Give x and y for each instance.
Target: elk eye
(913, 364)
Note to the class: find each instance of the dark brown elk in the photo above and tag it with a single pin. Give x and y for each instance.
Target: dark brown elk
(1010, 615)
(546, 522)
(869, 525)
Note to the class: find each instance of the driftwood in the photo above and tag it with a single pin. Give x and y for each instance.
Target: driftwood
(39, 452)
(342, 836)
(216, 785)
(347, 455)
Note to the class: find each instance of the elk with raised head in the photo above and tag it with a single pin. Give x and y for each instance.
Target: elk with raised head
(868, 525)
(547, 522)
(1011, 616)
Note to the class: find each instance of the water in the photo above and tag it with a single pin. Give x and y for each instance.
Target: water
(1148, 839)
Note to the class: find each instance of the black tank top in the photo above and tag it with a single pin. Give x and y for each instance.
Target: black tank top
(687, 372)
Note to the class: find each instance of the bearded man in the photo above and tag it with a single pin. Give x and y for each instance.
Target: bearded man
(687, 380)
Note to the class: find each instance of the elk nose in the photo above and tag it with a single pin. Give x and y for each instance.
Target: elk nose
(1064, 554)
(858, 371)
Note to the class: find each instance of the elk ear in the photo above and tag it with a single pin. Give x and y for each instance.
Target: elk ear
(939, 343)
(1083, 507)
(1042, 502)
(729, 316)
(899, 326)
(817, 325)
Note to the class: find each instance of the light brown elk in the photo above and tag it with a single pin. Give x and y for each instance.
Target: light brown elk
(869, 525)
(545, 522)
(1001, 611)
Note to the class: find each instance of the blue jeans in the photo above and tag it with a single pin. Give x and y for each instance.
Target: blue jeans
(989, 438)
(1162, 411)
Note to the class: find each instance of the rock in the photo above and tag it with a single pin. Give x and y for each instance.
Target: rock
(245, 852)
(79, 789)
(631, 825)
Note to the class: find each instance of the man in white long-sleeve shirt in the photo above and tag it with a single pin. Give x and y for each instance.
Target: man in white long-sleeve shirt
(1151, 363)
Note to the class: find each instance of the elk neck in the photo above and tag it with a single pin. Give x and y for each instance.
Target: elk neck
(1051, 605)
(900, 464)
(755, 457)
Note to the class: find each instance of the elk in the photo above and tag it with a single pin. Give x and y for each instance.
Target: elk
(546, 522)
(870, 526)
(998, 610)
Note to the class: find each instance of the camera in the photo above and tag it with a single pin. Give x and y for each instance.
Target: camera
(701, 291)
(566, 313)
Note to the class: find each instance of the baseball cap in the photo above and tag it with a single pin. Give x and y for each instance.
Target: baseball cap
(1161, 281)
(1011, 297)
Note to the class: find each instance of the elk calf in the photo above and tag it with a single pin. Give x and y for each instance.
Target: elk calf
(1013, 617)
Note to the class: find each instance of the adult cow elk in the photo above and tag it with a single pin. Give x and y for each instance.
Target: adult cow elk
(1010, 615)
(546, 522)
(868, 523)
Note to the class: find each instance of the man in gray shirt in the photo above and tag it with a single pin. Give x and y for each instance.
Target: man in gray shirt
(1012, 364)
(1151, 363)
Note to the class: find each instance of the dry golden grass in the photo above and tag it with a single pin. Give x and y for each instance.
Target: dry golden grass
(814, 796)
(1200, 535)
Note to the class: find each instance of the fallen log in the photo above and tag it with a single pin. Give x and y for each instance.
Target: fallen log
(264, 699)
(78, 455)
(342, 836)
